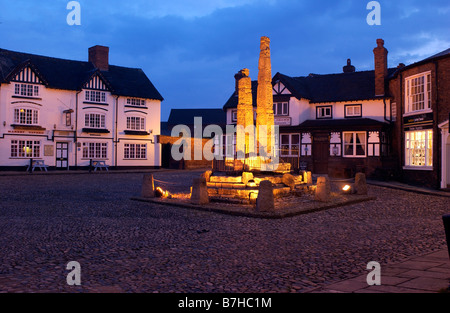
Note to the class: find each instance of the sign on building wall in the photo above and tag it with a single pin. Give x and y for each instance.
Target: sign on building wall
(48, 150)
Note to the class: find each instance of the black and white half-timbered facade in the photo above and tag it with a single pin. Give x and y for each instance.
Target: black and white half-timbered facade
(336, 124)
(69, 113)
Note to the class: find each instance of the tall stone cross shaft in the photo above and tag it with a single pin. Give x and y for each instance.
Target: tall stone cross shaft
(244, 141)
(264, 107)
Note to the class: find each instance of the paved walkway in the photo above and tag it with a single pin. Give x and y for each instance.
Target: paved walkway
(429, 273)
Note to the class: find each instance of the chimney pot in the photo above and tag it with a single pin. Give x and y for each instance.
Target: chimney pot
(99, 57)
(349, 68)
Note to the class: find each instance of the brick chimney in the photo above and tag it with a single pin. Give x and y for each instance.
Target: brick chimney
(349, 68)
(381, 71)
(242, 73)
(99, 57)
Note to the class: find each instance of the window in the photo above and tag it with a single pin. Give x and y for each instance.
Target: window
(95, 150)
(290, 144)
(136, 102)
(135, 151)
(26, 116)
(419, 148)
(323, 112)
(26, 90)
(135, 123)
(94, 120)
(355, 144)
(418, 93)
(280, 108)
(353, 110)
(25, 149)
(234, 116)
(95, 96)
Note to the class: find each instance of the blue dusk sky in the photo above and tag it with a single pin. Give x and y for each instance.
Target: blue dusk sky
(191, 49)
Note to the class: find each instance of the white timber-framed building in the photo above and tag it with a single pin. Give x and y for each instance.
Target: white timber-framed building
(68, 113)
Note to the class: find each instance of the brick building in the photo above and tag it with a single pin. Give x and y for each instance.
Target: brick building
(421, 104)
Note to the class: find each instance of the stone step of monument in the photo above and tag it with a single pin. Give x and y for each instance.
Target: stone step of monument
(225, 179)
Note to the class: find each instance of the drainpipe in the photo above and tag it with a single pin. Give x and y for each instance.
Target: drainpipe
(435, 128)
(116, 140)
(76, 129)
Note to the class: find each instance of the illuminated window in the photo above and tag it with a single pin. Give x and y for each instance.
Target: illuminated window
(418, 93)
(25, 149)
(419, 148)
(135, 151)
(25, 116)
(354, 144)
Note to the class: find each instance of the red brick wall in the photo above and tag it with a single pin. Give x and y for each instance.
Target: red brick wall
(440, 104)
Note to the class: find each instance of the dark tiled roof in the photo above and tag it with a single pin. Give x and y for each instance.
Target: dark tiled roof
(324, 88)
(71, 75)
(186, 116)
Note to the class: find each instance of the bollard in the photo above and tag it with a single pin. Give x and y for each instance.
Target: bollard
(446, 220)
(31, 166)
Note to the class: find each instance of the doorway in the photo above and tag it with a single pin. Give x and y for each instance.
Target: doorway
(320, 153)
(62, 155)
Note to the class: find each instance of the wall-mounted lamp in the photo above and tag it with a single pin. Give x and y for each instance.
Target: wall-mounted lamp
(4, 123)
(54, 126)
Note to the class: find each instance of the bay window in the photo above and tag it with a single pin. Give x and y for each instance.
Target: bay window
(419, 149)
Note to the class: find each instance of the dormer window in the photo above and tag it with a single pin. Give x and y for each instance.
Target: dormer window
(136, 102)
(26, 90)
(95, 96)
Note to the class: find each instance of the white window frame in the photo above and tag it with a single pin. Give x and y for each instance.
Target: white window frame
(25, 149)
(351, 113)
(95, 96)
(284, 108)
(26, 116)
(135, 102)
(427, 146)
(136, 123)
(95, 150)
(409, 102)
(233, 116)
(26, 90)
(355, 144)
(321, 110)
(91, 120)
(135, 151)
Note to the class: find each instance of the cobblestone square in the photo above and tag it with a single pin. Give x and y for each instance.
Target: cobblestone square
(122, 245)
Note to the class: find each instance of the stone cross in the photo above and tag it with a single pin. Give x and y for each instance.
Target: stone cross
(264, 105)
(244, 141)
